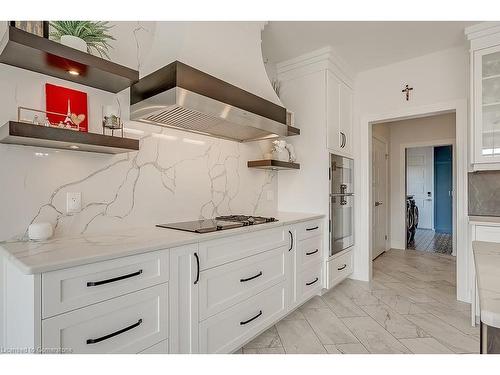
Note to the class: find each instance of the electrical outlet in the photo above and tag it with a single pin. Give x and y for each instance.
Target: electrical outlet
(73, 202)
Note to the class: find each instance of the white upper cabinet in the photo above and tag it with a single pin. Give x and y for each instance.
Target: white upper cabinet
(487, 105)
(333, 110)
(485, 94)
(346, 118)
(339, 115)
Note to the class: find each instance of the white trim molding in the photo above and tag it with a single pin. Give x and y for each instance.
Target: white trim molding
(320, 59)
(362, 258)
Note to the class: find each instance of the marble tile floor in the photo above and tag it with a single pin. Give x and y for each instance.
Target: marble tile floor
(429, 240)
(410, 307)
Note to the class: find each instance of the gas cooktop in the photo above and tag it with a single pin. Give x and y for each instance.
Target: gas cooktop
(219, 223)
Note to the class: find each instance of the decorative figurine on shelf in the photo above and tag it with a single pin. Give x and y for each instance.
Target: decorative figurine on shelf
(291, 152)
(283, 151)
(111, 119)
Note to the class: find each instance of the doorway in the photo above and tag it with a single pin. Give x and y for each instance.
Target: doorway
(364, 208)
(429, 198)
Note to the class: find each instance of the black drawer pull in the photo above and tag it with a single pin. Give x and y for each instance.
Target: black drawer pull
(341, 268)
(312, 252)
(312, 282)
(95, 341)
(313, 228)
(291, 240)
(251, 319)
(251, 278)
(96, 283)
(197, 268)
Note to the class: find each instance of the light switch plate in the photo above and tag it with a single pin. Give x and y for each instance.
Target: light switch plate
(73, 202)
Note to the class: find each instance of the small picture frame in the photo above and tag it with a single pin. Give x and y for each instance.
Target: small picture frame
(40, 28)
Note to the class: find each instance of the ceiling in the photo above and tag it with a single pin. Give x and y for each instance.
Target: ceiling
(362, 44)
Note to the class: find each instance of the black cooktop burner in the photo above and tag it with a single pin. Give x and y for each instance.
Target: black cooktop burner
(219, 223)
(247, 220)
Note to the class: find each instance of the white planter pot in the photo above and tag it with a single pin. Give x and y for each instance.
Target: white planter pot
(74, 42)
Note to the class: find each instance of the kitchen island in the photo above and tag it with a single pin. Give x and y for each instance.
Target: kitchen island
(155, 290)
(487, 263)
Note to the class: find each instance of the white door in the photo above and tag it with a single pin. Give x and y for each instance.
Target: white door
(379, 188)
(420, 183)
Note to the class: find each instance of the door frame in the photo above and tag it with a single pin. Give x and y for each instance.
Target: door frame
(363, 248)
(386, 198)
(402, 181)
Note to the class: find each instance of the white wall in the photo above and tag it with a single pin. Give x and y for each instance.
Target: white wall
(177, 176)
(439, 78)
(402, 133)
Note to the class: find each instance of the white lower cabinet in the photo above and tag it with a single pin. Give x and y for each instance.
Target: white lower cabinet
(339, 267)
(126, 324)
(221, 287)
(210, 297)
(229, 330)
(309, 282)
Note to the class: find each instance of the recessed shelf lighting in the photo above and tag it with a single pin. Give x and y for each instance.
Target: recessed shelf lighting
(74, 147)
(74, 72)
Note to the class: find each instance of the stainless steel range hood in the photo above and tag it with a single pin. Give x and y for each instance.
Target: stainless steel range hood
(182, 97)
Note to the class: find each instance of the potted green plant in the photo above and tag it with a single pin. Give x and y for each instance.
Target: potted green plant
(86, 36)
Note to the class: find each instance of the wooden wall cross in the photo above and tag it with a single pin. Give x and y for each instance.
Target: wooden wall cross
(407, 91)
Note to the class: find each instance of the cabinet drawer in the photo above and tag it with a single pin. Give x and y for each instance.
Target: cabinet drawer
(227, 331)
(309, 282)
(487, 233)
(309, 229)
(224, 250)
(339, 268)
(309, 251)
(226, 285)
(75, 287)
(127, 324)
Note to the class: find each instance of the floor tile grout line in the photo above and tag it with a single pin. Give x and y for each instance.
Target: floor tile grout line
(315, 334)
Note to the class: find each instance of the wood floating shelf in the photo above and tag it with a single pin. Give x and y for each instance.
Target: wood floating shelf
(32, 52)
(273, 164)
(293, 131)
(20, 133)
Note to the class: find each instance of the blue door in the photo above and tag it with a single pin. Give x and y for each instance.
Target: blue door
(443, 186)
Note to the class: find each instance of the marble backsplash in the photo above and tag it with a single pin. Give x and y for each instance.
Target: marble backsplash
(175, 176)
(484, 193)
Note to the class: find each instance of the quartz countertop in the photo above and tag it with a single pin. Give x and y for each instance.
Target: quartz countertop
(489, 220)
(70, 251)
(487, 262)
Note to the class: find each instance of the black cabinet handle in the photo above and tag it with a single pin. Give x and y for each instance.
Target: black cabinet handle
(96, 283)
(313, 252)
(251, 319)
(95, 341)
(251, 278)
(197, 268)
(291, 240)
(312, 282)
(341, 268)
(313, 228)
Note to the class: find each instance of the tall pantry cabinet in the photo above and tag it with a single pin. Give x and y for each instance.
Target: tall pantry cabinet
(316, 87)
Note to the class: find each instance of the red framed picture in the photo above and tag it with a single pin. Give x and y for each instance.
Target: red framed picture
(72, 104)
